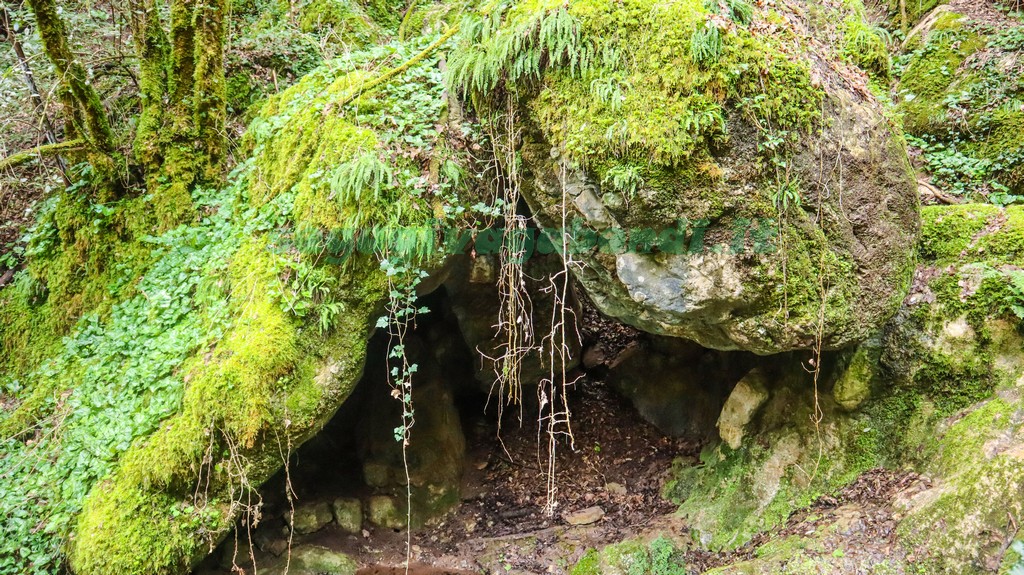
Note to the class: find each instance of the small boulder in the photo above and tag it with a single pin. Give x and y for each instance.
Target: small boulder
(585, 516)
(314, 560)
(348, 514)
(382, 511)
(853, 387)
(310, 517)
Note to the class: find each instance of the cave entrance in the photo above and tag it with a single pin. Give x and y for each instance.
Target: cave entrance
(478, 495)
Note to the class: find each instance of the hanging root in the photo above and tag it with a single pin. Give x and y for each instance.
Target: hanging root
(515, 310)
(554, 417)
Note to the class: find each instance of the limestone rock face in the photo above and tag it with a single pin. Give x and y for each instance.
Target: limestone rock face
(853, 387)
(740, 235)
(956, 351)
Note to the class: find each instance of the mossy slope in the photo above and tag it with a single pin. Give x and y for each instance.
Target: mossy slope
(959, 95)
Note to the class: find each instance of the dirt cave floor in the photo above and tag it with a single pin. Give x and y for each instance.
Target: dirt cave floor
(619, 465)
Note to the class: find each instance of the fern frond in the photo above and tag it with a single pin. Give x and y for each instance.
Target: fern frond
(364, 173)
(706, 44)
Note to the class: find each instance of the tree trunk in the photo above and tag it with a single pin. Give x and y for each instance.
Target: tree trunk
(152, 49)
(180, 136)
(86, 114)
(210, 86)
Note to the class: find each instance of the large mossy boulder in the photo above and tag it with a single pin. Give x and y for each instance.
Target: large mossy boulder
(741, 186)
(233, 338)
(938, 391)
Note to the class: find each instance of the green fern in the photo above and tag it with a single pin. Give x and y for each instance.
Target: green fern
(364, 173)
(868, 47)
(608, 91)
(706, 44)
(786, 194)
(739, 11)
(488, 54)
(625, 179)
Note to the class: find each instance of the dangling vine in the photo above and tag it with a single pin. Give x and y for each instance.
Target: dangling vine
(401, 311)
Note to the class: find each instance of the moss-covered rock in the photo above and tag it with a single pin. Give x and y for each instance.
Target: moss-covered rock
(959, 92)
(798, 446)
(169, 404)
(696, 166)
(956, 353)
(655, 556)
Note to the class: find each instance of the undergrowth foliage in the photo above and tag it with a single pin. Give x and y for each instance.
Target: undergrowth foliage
(961, 100)
(115, 379)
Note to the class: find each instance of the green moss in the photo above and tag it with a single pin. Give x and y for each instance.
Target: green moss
(152, 521)
(946, 231)
(338, 20)
(951, 532)
(658, 556)
(954, 381)
(999, 141)
(854, 386)
(809, 277)
(386, 13)
(281, 366)
(84, 110)
(914, 10)
(979, 244)
(933, 73)
(589, 564)
(82, 257)
(615, 110)
(236, 394)
(864, 46)
(655, 112)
